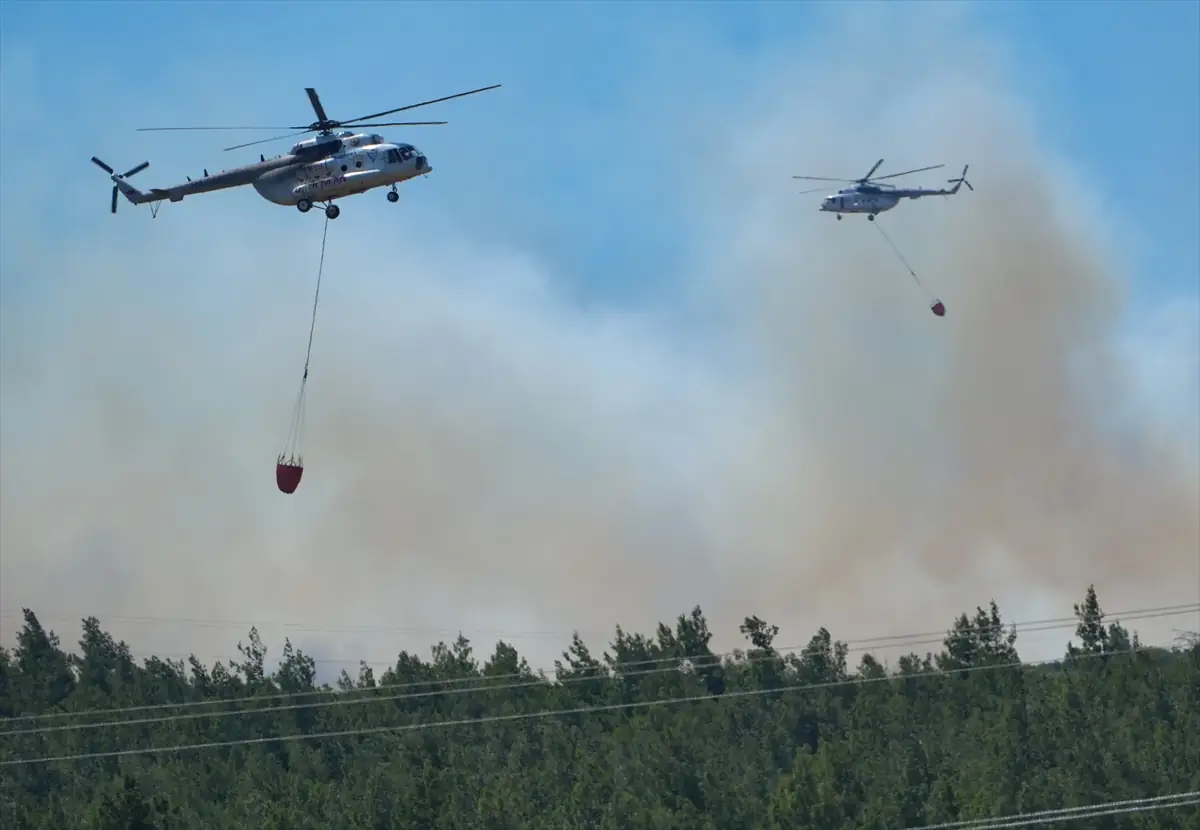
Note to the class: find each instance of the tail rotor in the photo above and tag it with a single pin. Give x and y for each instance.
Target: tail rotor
(114, 176)
(961, 180)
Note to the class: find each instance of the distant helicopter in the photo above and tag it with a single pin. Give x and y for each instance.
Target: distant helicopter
(335, 164)
(867, 197)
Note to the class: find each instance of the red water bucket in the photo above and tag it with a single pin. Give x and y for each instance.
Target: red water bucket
(288, 474)
(937, 308)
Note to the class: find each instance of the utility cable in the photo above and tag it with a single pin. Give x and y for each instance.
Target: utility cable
(366, 697)
(578, 710)
(369, 698)
(1132, 805)
(488, 683)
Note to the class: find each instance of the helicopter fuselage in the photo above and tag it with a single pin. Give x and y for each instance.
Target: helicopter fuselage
(358, 165)
(872, 199)
(852, 200)
(316, 170)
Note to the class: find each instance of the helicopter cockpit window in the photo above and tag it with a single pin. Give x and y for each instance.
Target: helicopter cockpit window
(393, 157)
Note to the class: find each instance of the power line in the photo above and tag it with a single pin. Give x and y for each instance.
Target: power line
(1132, 805)
(477, 683)
(482, 685)
(504, 635)
(201, 622)
(366, 697)
(488, 682)
(522, 716)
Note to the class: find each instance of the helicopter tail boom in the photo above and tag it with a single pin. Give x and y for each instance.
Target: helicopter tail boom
(131, 193)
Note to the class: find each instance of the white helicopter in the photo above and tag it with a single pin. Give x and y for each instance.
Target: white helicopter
(864, 196)
(337, 163)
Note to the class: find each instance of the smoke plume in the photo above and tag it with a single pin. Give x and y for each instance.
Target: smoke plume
(485, 455)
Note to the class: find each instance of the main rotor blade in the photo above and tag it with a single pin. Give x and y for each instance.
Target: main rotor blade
(396, 124)
(266, 140)
(316, 104)
(813, 190)
(422, 104)
(824, 179)
(906, 172)
(161, 129)
(873, 169)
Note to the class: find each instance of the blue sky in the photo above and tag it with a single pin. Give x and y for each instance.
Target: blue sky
(1116, 85)
(625, 168)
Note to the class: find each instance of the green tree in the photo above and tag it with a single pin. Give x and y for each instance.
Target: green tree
(445, 743)
(128, 809)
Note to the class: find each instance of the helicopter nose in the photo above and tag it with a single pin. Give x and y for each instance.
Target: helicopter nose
(422, 164)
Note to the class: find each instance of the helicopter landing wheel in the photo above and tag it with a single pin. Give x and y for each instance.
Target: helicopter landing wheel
(393, 196)
(839, 217)
(870, 217)
(332, 211)
(304, 206)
